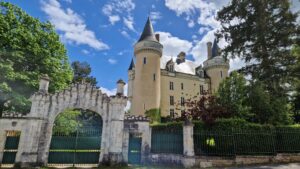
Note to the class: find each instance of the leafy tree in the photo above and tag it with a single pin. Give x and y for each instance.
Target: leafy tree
(205, 108)
(261, 32)
(267, 108)
(82, 71)
(67, 122)
(28, 48)
(296, 86)
(232, 94)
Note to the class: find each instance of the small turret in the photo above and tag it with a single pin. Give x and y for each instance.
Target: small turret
(131, 72)
(216, 67)
(120, 87)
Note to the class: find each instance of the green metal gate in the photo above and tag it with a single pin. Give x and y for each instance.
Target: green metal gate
(11, 147)
(134, 149)
(80, 147)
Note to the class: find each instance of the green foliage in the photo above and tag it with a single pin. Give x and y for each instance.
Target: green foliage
(82, 71)
(262, 33)
(154, 115)
(232, 94)
(296, 84)
(67, 122)
(239, 137)
(29, 48)
(268, 109)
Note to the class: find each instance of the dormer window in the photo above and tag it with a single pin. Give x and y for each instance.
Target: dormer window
(171, 68)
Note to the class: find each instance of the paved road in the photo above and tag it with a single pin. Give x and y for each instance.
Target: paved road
(277, 166)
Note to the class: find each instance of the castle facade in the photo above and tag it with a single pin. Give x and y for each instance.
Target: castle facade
(156, 84)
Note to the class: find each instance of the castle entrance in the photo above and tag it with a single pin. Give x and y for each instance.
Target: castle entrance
(76, 139)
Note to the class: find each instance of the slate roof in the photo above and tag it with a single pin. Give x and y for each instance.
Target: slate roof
(148, 32)
(131, 66)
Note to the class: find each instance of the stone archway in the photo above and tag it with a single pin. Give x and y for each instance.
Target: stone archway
(36, 127)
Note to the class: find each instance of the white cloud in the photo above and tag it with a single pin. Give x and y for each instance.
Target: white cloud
(71, 26)
(112, 61)
(123, 8)
(155, 16)
(191, 23)
(204, 14)
(85, 51)
(173, 45)
(203, 30)
(111, 92)
(113, 19)
(125, 34)
(129, 23)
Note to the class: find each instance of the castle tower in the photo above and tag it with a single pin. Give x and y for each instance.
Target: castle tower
(146, 93)
(131, 71)
(216, 67)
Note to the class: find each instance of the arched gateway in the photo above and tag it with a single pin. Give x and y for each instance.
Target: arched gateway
(35, 128)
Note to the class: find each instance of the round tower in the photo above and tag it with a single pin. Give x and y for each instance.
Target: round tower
(216, 67)
(146, 92)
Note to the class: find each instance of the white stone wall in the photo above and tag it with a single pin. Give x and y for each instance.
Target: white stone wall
(36, 127)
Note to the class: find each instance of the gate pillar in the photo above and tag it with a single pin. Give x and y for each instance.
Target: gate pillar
(28, 144)
(188, 145)
(2, 144)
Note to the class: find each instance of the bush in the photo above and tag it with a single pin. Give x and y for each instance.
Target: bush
(154, 115)
(230, 137)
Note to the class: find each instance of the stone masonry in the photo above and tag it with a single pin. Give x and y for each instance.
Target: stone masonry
(36, 127)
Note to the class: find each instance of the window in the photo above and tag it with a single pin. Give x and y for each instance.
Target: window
(171, 100)
(154, 77)
(181, 86)
(172, 114)
(221, 74)
(201, 89)
(171, 86)
(145, 60)
(182, 101)
(171, 68)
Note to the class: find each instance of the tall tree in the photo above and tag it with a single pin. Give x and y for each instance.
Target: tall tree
(28, 48)
(82, 71)
(261, 32)
(232, 94)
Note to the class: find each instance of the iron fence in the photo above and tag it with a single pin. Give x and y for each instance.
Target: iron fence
(246, 142)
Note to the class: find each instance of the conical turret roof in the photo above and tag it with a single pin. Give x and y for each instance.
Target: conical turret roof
(215, 49)
(148, 32)
(131, 66)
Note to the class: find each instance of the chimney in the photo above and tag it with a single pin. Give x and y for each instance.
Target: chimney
(157, 37)
(209, 50)
(180, 58)
(44, 83)
(120, 87)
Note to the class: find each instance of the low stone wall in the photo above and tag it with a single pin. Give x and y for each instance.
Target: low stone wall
(206, 162)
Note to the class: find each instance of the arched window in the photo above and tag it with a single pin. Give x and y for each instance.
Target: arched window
(145, 60)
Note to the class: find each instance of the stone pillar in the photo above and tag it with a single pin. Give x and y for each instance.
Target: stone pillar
(2, 144)
(44, 84)
(120, 87)
(188, 145)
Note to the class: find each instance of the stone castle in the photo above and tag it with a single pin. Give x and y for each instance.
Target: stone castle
(154, 84)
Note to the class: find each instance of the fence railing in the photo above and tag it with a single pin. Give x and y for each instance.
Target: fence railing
(167, 140)
(231, 143)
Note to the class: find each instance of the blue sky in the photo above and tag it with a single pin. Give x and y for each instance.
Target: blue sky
(103, 32)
